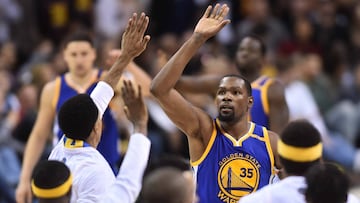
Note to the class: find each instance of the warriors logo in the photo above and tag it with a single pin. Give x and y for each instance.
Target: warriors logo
(237, 177)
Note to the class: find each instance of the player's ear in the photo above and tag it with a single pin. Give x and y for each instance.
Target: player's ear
(250, 102)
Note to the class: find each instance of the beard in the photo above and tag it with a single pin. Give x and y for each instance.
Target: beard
(227, 117)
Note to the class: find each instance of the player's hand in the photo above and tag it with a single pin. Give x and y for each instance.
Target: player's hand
(135, 108)
(23, 192)
(133, 40)
(212, 21)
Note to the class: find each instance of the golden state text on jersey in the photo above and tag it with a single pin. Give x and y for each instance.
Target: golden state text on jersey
(230, 169)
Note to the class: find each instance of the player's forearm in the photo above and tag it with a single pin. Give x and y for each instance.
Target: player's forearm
(33, 150)
(129, 181)
(113, 76)
(141, 127)
(203, 84)
(166, 79)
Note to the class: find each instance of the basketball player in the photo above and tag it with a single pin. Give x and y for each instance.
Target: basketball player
(231, 157)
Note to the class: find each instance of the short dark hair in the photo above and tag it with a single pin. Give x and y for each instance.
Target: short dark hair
(258, 38)
(80, 35)
(299, 133)
(326, 183)
(168, 160)
(247, 82)
(50, 174)
(165, 184)
(77, 117)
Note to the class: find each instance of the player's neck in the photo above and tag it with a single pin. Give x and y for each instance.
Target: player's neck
(251, 75)
(236, 130)
(91, 140)
(81, 83)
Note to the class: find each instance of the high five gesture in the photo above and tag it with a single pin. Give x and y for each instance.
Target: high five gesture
(212, 21)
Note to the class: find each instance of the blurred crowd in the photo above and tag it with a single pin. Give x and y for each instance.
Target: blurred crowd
(311, 43)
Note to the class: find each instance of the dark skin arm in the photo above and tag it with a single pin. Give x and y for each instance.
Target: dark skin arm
(273, 142)
(207, 84)
(279, 111)
(194, 122)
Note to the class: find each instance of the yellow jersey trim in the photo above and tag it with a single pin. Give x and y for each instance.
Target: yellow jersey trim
(56, 92)
(207, 149)
(241, 139)
(269, 149)
(264, 98)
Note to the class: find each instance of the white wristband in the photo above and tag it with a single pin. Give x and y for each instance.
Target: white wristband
(102, 95)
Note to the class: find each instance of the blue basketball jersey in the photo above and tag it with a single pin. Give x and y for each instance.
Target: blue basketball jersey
(259, 112)
(108, 144)
(230, 169)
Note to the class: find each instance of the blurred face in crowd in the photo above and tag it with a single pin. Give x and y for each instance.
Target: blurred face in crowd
(248, 54)
(80, 57)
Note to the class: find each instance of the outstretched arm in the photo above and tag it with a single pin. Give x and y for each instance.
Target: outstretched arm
(36, 143)
(133, 44)
(141, 77)
(195, 123)
(128, 182)
(273, 143)
(207, 84)
(279, 111)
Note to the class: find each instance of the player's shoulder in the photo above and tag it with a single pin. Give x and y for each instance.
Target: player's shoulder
(51, 85)
(276, 88)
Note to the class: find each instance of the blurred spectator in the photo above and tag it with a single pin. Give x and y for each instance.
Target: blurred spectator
(9, 116)
(330, 26)
(111, 17)
(335, 146)
(260, 21)
(174, 16)
(302, 39)
(59, 17)
(10, 13)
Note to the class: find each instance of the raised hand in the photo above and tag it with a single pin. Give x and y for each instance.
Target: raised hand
(135, 108)
(212, 21)
(133, 40)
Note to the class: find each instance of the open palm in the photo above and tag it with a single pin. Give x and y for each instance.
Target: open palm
(212, 21)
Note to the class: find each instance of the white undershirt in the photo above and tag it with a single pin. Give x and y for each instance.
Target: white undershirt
(102, 95)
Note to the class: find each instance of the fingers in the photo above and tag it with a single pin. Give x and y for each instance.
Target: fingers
(215, 11)
(143, 23)
(127, 90)
(207, 12)
(223, 12)
(126, 111)
(145, 41)
(218, 12)
(127, 29)
(133, 23)
(137, 25)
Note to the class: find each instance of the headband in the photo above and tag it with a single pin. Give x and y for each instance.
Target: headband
(52, 192)
(299, 154)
